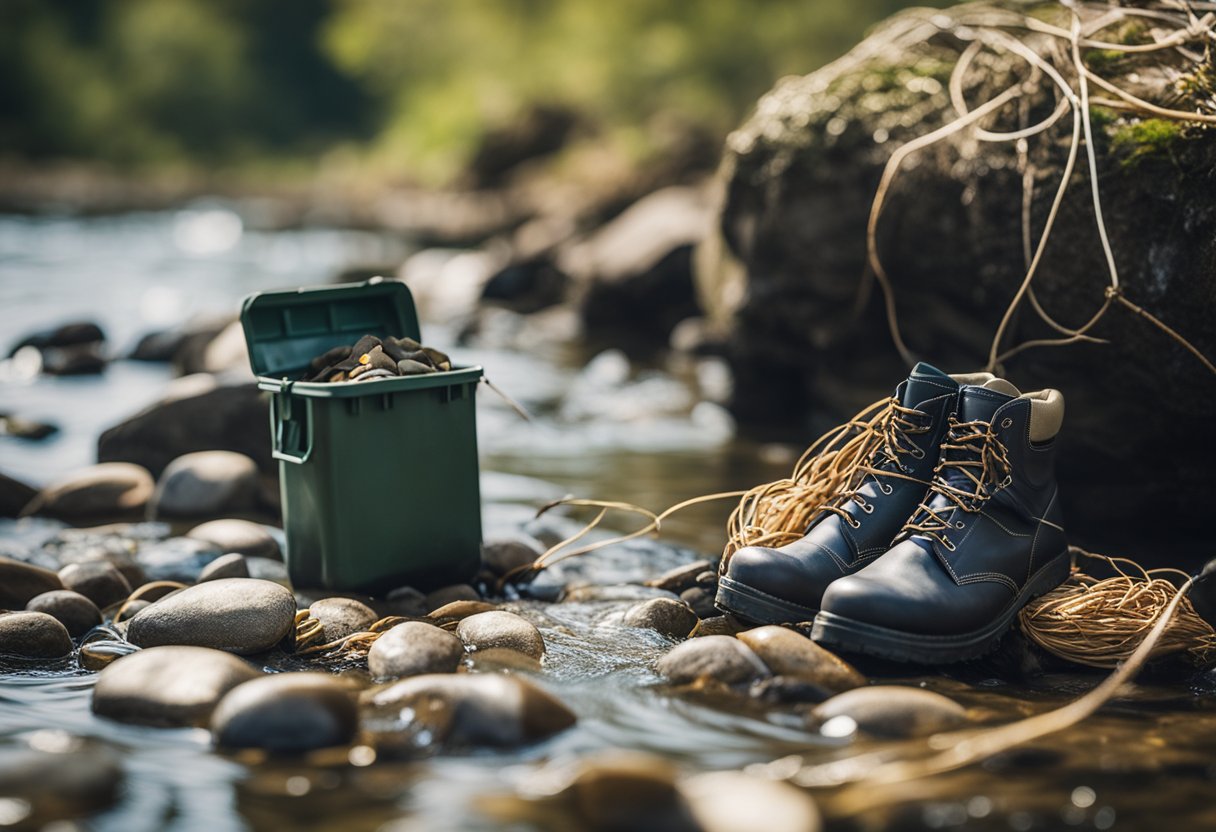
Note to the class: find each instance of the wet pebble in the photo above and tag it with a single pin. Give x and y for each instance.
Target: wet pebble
(720, 658)
(448, 594)
(674, 619)
(503, 556)
(56, 778)
(225, 566)
(239, 615)
(480, 709)
(682, 577)
(503, 630)
(98, 580)
(19, 582)
(404, 601)
(701, 600)
(104, 492)
(286, 713)
(342, 617)
(412, 649)
(793, 655)
(206, 483)
(720, 625)
(730, 801)
(33, 635)
(168, 686)
(241, 536)
(892, 711)
(71, 609)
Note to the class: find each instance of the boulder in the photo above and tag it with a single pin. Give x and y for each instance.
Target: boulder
(33, 635)
(239, 615)
(808, 328)
(286, 713)
(168, 686)
(75, 612)
(412, 649)
(107, 492)
(206, 483)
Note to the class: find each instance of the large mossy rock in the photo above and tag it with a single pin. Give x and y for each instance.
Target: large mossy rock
(810, 338)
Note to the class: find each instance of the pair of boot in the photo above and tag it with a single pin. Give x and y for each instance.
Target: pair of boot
(947, 530)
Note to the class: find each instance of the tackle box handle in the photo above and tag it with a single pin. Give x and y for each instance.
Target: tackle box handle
(291, 425)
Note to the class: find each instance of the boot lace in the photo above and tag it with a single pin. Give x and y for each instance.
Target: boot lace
(974, 466)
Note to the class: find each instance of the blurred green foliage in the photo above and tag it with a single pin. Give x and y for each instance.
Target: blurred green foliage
(403, 86)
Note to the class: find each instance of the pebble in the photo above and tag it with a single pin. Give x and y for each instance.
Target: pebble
(33, 635)
(792, 654)
(674, 619)
(503, 556)
(448, 594)
(412, 649)
(225, 566)
(500, 629)
(19, 582)
(719, 625)
(58, 778)
(342, 616)
(701, 600)
(71, 609)
(720, 658)
(168, 686)
(731, 801)
(98, 580)
(239, 615)
(286, 713)
(404, 601)
(176, 559)
(106, 492)
(892, 711)
(241, 536)
(682, 577)
(206, 483)
(478, 709)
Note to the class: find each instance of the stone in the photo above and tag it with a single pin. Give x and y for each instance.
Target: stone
(56, 779)
(286, 713)
(674, 619)
(98, 580)
(404, 601)
(342, 617)
(712, 658)
(539, 131)
(19, 582)
(720, 625)
(33, 635)
(501, 629)
(168, 686)
(14, 496)
(225, 566)
(892, 711)
(176, 559)
(71, 334)
(701, 601)
(459, 610)
(412, 649)
(502, 556)
(527, 285)
(731, 801)
(681, 577)
(800, 179)
(241, 536)
(791, 654)
(239, 615)
(75, 612)
(231, 418)
(448, 594)
(206, 483)
(31, 429)
(481, 709)
(106, 492)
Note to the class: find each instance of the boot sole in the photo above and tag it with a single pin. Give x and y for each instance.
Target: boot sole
(760, 607)
(846, 634)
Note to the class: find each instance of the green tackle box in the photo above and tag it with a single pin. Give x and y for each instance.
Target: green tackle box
(379, 478)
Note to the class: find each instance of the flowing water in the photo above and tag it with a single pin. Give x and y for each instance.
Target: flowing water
(605, 429)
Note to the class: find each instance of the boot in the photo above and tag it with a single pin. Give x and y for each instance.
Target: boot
(774, 586)
(986, 540)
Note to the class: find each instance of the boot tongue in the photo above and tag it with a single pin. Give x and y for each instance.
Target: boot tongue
(978, 404)
(924, 383)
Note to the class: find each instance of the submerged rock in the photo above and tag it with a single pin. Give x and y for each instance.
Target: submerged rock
(712, 658)
(502, 630)
(674, 619)
(893, 711)
(19, 582)
(286, 713)
(414, 648)
(33, 635)
(98, 580)
(206, 483)
(225, 566)
(241, 536)
(60, 778)
(168, 686)
(71, 609)
(239, 615)
(793, 655)
(106, 492)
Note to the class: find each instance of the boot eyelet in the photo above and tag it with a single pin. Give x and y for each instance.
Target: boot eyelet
(886, 489)
(950, 547)
(917, 453)
(1005, 483)
(1006, 422)
(959, 524)
(867, 508)
(853, 523)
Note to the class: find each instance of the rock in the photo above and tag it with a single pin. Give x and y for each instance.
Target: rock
(225, 566)
(131, 609)
(72, 334)
(719, 625)
(342, 617)
(892, 711)
(479, 709)
(57, 780)
(502, 556)
(730, 801)
(701, 601)
(459, 610)
(240, 536)
(682, 577)
(539, 131)
(206, 483)
(414, 648)
(231, 418)
(286, 713)
(448, 594)
(239, 615)
(14, 496)
(527, 285)
(19, 582)
(404, 601)
(788, 653)
(800, 179)
(33, 635)
(98, 580)
(75, 612)
(674, 619)
(717, 658)
(168, 686)
(19, 428)
(501, 629)
(78, 360)
(100, 493)
(176, 559)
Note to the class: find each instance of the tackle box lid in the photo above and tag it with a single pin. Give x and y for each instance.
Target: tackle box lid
(285, 330)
